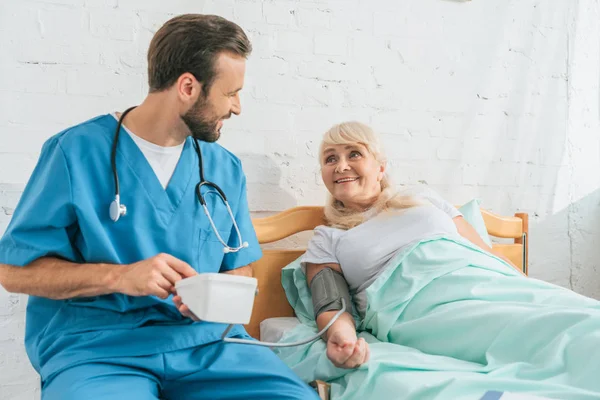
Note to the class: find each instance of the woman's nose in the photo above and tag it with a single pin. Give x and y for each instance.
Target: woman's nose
(342, 166)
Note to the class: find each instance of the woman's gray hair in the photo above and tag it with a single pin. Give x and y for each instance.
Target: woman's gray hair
(338, 216)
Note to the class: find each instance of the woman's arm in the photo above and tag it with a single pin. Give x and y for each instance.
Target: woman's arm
(468, 232)
(343, 348)
(345, 321)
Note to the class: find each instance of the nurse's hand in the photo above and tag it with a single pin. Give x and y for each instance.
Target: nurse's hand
(155, 276)
(344, 350)
(183, 309)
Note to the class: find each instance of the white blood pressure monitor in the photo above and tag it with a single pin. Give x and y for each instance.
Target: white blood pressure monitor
(221, 298)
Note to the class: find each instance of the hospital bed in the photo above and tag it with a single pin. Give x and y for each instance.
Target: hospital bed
(271, 305)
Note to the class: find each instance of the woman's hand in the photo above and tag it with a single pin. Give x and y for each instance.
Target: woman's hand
(344, 350)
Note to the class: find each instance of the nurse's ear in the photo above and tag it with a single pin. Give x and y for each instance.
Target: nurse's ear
(188, 89)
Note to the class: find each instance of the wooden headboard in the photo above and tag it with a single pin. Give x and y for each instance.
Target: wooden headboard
(271, 300)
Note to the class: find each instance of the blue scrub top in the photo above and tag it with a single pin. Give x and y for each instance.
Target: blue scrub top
(63, 212)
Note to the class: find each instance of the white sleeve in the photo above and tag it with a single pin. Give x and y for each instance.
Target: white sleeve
(320, 248)
(434, 198)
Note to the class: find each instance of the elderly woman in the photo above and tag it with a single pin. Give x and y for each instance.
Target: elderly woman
(418, 275)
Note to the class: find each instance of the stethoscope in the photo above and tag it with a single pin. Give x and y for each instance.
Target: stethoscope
(118, 210)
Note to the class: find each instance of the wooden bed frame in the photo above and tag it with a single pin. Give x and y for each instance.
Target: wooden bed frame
(271, 300)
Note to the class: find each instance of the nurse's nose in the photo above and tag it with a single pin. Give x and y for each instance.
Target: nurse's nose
(236, 106)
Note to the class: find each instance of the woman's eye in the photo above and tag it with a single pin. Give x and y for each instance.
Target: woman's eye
(355, 154)
(329, 159)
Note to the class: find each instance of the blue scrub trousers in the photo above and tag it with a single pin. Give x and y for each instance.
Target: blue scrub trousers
(212, 371)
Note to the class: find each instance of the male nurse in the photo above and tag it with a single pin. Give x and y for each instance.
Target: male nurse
(101, 321)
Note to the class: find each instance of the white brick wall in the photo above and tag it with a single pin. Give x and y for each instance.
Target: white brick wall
(497, 99)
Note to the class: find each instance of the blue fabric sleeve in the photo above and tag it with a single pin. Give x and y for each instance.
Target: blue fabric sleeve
(251, 253)
(44, 219)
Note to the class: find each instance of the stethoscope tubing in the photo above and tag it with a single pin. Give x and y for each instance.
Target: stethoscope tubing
(117, 209)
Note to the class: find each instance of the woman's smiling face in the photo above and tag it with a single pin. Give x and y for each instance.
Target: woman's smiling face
(351, 174)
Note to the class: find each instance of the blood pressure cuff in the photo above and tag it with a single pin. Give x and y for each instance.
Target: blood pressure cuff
(328, 287)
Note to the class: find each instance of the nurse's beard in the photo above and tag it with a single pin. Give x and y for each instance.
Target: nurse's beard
(199, 126)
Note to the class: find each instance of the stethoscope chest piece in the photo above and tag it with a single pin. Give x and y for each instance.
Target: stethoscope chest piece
(117, 210)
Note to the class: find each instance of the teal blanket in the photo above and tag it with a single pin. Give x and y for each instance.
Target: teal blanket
(448, 320)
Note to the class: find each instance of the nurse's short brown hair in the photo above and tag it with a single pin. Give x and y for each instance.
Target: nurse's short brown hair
(191, 43)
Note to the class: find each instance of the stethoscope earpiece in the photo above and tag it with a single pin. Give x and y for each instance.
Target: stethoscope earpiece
(228, 249)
